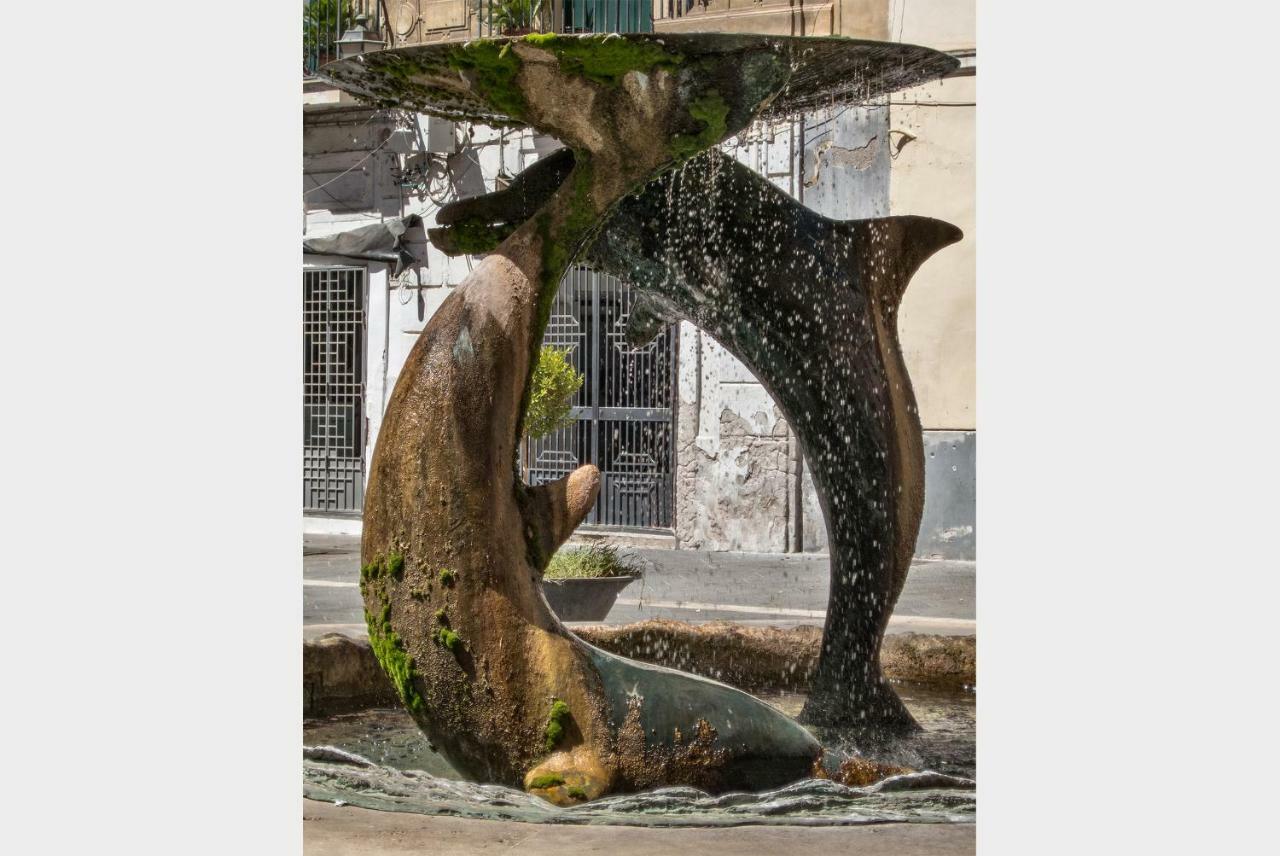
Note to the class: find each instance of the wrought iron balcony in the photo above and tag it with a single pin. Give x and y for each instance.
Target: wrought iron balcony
(325, 22)
(410, 22)
(518, 17)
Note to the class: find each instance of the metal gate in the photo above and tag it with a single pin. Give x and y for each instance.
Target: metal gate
(333, 422)
(625, 417)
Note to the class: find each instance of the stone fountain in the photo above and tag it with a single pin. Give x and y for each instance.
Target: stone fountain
(454, 542)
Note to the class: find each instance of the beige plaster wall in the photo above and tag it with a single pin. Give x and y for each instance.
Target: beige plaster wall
(933, 175)
(947, 25)
(862, 19)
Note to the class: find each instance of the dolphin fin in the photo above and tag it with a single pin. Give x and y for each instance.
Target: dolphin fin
(890, 250)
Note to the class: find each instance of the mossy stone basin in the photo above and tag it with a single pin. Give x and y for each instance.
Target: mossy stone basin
(481, 80)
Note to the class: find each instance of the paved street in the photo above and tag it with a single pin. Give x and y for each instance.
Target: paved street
(687, 585)
(329, 829)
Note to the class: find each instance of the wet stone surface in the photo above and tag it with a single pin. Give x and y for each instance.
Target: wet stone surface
(380, 759)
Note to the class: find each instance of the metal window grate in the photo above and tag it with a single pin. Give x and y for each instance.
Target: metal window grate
(624, 412)
(333, 334)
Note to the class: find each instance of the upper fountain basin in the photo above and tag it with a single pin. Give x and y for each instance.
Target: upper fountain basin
(482, 80)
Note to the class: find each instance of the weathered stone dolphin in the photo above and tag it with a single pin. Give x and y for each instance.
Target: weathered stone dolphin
(810, 305)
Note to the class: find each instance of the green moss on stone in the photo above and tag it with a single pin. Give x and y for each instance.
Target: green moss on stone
(712, 111)
(386, 644)
(396, 662)
(446, 637)
(392, 565)
(555, 723)
(603, 58)
(395, 565)
(371, 571)
(560, 242)
(405, 67)
(546, 780)
(494, 70)
(472, 237)
(576, 792)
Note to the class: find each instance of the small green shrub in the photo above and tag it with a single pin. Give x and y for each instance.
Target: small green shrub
(555, 382)
(447, 577)
(595, 560)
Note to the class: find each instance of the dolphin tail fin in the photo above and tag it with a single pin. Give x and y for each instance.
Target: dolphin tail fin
(890, 250)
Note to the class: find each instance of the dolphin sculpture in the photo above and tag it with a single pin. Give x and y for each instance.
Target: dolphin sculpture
(454, 544)
(810, 305)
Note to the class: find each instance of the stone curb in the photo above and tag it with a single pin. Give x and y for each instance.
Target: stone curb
(341, 675)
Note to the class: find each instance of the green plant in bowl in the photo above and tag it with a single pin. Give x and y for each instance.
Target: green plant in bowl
(591, 562)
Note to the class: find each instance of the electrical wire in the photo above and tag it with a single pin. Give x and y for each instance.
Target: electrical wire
(351, 168)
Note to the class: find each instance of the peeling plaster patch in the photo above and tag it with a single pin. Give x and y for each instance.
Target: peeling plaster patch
(734, 484)
(860, 158)
(463, 347)
(733, 455)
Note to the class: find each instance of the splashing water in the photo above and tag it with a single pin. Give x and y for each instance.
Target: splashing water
(379, 759)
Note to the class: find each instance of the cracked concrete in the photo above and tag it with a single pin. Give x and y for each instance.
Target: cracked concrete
(742, 465)
(856, 157)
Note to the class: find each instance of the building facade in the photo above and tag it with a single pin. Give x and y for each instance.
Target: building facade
(693, 451)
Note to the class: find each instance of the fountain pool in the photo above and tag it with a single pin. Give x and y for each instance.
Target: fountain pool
(380, 759)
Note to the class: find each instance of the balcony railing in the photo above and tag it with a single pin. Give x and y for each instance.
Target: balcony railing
(324, 22)
(665, 10)
(517, 17)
